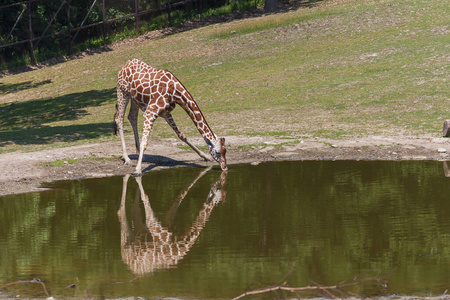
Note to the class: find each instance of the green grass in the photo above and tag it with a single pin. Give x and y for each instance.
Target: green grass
(270, 22)
(327, 70)
(61, 163)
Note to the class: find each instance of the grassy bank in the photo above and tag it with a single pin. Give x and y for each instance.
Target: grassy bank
(329, 69)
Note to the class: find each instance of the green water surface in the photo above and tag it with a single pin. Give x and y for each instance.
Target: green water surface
(292, 223)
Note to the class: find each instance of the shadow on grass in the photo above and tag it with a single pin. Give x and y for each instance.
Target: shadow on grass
(48, 134)
(27, 122)
(16, 87)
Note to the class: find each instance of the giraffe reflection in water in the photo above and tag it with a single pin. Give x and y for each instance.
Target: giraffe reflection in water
(447, 168)
(165, 249)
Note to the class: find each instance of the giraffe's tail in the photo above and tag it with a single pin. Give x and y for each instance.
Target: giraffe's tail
(114, 124)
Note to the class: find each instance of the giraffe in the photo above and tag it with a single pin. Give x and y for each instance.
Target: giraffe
(156, 92)
(165, 249)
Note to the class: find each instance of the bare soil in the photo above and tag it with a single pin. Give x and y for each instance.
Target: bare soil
(27, 171)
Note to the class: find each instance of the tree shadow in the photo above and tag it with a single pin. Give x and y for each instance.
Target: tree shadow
(283, 7)
(48, 134)
(16, 87)
(37, 112)
(29, 122)
(293, 5)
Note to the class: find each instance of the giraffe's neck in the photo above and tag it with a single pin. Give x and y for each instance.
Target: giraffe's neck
(185, 100)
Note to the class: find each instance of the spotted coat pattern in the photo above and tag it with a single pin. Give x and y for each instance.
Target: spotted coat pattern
(156, 92)
(163, 249)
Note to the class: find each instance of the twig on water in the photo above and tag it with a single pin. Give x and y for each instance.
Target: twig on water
(26, 281)
(325, 290)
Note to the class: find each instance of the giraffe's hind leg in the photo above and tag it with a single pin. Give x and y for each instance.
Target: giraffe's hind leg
(121, 213)
(133, 118)
(169, 119)
(121, 106)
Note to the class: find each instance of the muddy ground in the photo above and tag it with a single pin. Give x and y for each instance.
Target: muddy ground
(26, 172)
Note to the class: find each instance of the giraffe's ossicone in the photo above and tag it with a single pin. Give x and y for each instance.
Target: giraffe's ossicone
(156, 92)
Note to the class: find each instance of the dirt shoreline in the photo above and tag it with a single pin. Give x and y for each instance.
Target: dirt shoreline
(29, 171)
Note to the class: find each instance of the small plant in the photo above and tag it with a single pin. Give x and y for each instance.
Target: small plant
(60, 162)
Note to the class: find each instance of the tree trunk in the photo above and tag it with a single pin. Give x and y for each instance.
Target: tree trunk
(270, 5)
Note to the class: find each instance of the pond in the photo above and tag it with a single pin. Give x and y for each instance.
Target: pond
(197, 233)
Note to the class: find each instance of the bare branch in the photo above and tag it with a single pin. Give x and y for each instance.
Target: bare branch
(323, 289)
(326, 290)
(26, 281)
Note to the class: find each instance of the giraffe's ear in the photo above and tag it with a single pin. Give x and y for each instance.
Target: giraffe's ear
(223, 150)
(222, 144)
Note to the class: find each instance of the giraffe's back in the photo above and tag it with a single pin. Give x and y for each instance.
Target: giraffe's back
(146, 85)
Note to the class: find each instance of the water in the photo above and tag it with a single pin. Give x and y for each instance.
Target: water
(296, 222)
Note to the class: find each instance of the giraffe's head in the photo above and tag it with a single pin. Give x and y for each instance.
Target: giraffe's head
(218, 151)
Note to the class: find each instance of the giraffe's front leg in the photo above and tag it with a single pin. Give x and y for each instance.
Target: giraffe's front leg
(149, 118)
(169, 119)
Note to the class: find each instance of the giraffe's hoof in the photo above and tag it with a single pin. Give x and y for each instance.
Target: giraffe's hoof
(127, 162)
